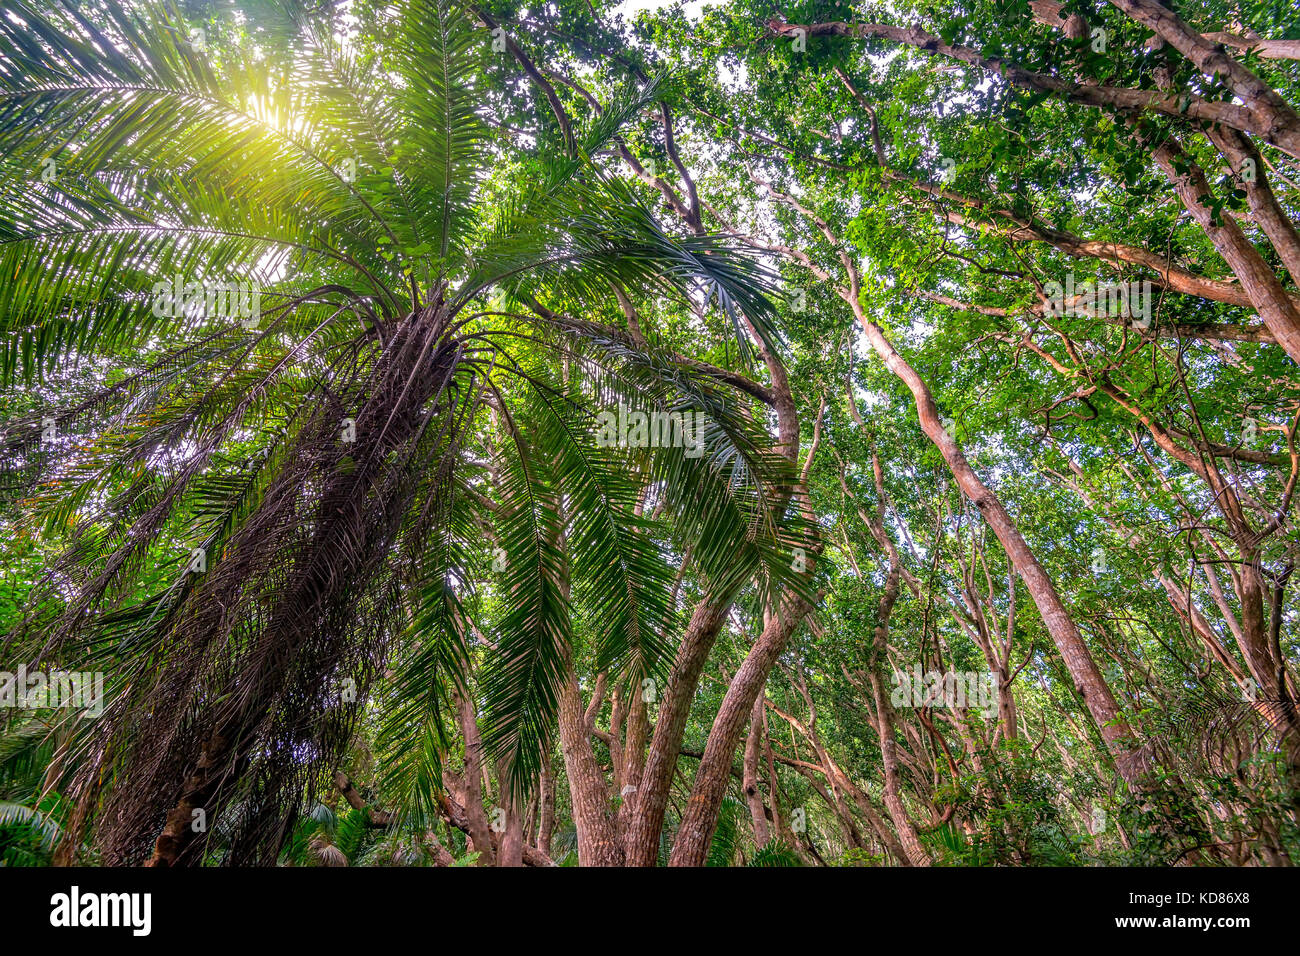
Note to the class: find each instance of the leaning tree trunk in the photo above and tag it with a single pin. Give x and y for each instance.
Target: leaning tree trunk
(642, 842)
(700, 818)
(1129, 758)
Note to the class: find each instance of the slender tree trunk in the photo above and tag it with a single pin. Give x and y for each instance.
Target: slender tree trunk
(510, 848)
(700, 818)
(469, 786)
(642, 843)
(840, 782)
(907, 834)
(779, 828)
(546, 821)
(753, 746)
(1088, 679)
(843, 816)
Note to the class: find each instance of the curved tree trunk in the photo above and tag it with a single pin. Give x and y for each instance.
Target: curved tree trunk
(700, 819)
(907, 835)
(1087, 677)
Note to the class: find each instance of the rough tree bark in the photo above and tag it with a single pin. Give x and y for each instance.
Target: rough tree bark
(700, 818)
(598, 843)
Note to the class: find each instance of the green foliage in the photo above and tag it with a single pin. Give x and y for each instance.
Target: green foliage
(397, 479)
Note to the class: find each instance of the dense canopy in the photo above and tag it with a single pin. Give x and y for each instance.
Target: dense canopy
(439, 434)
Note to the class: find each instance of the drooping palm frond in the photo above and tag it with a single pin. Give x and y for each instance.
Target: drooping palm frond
(580, 513)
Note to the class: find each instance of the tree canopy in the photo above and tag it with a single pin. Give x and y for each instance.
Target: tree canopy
(436, 433)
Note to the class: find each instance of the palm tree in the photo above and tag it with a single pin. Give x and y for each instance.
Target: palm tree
(279, 505)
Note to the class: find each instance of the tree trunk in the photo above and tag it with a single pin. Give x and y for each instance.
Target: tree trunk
(642, 842)
(1087, 677)
(753, 745)
(691, 847)
(546, 822)
(597, 842)
(907, 834)
(469, 786)
(1266, 293)
(510, 848)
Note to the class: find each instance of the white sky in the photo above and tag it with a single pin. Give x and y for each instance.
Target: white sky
(628, 9)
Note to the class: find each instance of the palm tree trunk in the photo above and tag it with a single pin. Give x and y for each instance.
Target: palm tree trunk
(348, 537)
